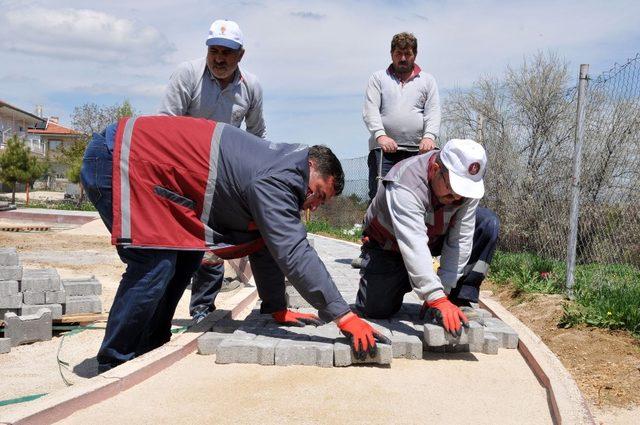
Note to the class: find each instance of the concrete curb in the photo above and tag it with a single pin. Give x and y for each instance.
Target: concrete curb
(61, 404)
(566, 403)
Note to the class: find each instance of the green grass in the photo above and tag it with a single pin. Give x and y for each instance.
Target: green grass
(606, 296)
(61, 205)
(322, 227)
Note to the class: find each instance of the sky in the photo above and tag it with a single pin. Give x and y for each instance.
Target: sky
(313, 58)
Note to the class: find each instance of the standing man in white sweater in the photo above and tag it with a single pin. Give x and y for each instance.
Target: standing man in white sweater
(215, 88)
(401, 110)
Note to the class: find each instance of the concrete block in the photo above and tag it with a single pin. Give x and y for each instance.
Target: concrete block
(4, 311)
(5, 345)
(82, 286)
(434, 336)
(208, 342)
(288, 332)
(10, 272)
(55, 309)
(32, 298)
(343, 356)
(504, 333)
(305, 353)
(490, 345)
(40, 280)
(11, 301)
(28, 328)
(83, 304)
(9, 257)
(55, 297)
(260, 350)
(9, 287)
(327, 331)
(486, 314)
(406, 346)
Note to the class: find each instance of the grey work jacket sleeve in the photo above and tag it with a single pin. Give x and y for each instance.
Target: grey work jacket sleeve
(371, 111)
(254, 119)
(407, 216)
(178, 94)
(432, 112)
(275, 209)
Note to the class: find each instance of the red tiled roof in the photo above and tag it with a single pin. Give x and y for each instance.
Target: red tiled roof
(54, 128)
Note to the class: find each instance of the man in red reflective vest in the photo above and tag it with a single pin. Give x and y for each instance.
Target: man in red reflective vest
(181, 186)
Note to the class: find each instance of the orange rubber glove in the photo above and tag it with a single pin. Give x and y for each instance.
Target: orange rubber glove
(363, 337)
(447, 314)
(292, 318)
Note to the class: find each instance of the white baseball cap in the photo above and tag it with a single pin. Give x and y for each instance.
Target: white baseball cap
(225, 33)
(466, 161)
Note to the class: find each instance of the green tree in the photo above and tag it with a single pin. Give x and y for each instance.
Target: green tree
(18, 165)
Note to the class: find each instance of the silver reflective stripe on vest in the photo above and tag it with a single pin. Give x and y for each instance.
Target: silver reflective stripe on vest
(214, 156)
(125, 184)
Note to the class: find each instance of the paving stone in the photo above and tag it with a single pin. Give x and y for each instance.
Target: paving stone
(288, 332)
(208, 342)
(434, 336)
(260, 350)
(343, 356)
(40, 280)
(406, 346)
(9, 287)
(55, 309)
(483, 313)
(5, 345)
(490, 345)
(32, 298)
(305, 353)
(10, 272)
(326, 331)
(55, 297)
(83, 304)
(28, 328)
(11, 301)
(9, 257)
(506, 335)
(82, 286)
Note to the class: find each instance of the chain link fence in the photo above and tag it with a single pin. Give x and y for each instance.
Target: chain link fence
(526, 121)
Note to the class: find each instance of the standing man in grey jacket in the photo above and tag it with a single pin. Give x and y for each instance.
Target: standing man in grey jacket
(401, 110)
(217, 89)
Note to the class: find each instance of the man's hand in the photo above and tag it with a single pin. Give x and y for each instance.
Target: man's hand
(363, 337)
(447, 314)
(292, 318)
(387, 144)
(426, 145)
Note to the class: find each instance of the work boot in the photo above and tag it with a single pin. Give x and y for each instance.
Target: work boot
(230, 284)
(199, 315)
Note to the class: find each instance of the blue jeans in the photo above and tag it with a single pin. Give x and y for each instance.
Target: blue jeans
(153, 282)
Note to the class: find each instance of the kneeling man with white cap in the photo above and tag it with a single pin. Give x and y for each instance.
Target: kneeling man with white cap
(427, 206)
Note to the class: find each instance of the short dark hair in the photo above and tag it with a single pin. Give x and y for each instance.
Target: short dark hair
(404, 40)
(328, 165)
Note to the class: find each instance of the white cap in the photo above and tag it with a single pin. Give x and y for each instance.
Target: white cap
(225, 33)
(466, 161)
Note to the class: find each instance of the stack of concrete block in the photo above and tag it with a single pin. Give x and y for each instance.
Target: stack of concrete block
(10, 275)
(82, 295)
(41, 288)
(28, 328)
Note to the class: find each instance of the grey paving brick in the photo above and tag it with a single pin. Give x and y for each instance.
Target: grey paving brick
(306, 353)
(9, 287)
(208, 342)
(83, 304)
(55, 309)
(9, 257)
(40, 280)
(406, 346)
(32, 298)
(506, 335)
(11, 301)
(82, 286)
(483, 313)
(5, 345)
(328, 331)
(490, 345)
(55, 297)
(260, 350)
(28, 328)
(434, 336)
(288, 332)
(343, 356)
(10, 272)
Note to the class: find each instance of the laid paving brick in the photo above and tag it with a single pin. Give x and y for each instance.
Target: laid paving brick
(55, 297)
(55, 309)
(39, 280)
(259, 350)
(11, 301)
(208, 342)
(10, 272)
(82, 286)
(507, 337)
(434, 336)
(5, 345)
(9, 257)
(406, 346)
(287, 332)
(343, 356)
(83, 304)
(490, 345)
(9, 287)
(305, 353)
(327, 331)
(32, 298)
(28, 328)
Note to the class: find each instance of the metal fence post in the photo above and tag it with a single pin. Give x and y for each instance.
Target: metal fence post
(575, 181)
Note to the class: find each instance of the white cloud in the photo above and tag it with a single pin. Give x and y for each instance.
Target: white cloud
(80, 34)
